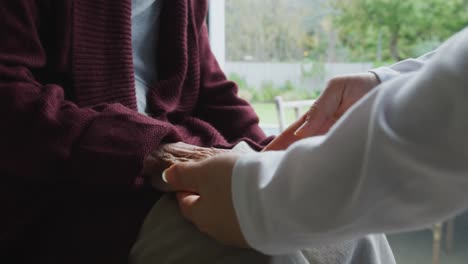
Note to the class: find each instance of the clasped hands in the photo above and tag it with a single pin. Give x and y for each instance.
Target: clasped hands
(202, 177)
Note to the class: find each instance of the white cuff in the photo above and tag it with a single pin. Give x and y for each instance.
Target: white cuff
(247, 180)
(385, 73)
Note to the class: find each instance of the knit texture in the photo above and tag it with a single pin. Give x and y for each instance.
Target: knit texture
(72, 143)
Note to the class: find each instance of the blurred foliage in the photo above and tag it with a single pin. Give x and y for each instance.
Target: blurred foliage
(263, 30)
(401, 28)
(339, 30)
(268, 91)
(319, 31)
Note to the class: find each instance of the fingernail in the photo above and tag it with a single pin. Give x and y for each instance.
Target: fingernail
(164, 176)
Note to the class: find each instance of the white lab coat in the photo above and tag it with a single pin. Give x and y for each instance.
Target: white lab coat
(398, 160)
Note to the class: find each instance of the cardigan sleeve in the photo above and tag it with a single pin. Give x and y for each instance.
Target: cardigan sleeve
(47, 139)
(220, 105)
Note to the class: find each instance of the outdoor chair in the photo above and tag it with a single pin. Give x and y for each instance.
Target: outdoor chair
(282, 105)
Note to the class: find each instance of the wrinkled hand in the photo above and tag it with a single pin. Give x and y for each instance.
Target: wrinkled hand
(339, 95)
(170, 154)
(205, 199)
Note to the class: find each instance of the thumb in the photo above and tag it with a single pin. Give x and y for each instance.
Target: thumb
(188, 204)
(316, 118)
(182, 177)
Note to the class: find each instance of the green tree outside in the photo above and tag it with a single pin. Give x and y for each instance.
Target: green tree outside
(391, 30)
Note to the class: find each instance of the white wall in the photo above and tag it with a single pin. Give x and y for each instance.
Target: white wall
(255, 73)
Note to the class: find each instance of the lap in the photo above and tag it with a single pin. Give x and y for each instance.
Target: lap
(167, 238)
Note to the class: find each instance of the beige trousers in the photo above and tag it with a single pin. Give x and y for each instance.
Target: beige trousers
(167, 238)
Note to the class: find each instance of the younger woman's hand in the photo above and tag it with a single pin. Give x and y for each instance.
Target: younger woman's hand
(205, 196)
(340, 94)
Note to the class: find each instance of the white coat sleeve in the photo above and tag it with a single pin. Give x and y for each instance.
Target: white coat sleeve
(386, 73)
(398, 160)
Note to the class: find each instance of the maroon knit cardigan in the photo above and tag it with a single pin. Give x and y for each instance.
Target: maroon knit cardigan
(72, 143)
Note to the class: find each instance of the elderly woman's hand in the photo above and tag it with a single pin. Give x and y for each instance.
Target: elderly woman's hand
(170, 154)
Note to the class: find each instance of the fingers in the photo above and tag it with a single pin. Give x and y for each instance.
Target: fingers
(183, 177)
(323, 110)
(188, 204)
(287, 137)
(158, 183)
(316, 119)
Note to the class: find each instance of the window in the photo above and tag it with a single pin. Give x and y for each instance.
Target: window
(292, 47)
